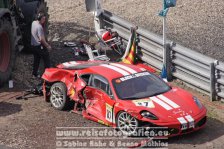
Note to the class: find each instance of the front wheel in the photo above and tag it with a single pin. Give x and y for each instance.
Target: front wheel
(58, 97)
(126, 123)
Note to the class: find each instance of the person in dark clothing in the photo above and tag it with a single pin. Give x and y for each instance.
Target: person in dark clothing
(39, 44)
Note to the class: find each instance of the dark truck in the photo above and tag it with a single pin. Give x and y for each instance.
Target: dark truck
(16, 17)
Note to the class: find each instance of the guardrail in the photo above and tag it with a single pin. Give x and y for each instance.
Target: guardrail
(197, 70)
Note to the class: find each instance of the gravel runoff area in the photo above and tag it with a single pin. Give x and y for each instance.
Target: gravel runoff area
(195, 24)
(32, 123)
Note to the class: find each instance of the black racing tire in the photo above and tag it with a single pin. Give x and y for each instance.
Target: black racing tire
(7, 50)
(125, 119)
(58, 96)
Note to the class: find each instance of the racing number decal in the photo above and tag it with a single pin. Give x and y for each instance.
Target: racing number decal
(109, 112)
(145, 103)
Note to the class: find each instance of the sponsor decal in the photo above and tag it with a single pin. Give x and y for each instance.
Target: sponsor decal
(180, 112)
(134, 76)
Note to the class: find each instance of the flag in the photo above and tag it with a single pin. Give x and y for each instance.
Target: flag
(163, 74)
(130, 53)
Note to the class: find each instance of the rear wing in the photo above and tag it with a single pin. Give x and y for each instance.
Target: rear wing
(77, 65)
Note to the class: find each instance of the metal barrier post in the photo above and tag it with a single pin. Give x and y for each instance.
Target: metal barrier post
(168, 61)
(212, 82)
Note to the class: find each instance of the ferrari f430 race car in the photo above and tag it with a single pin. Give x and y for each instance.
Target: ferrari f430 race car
(122, 96)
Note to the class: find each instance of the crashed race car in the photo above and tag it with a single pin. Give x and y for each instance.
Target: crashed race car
(123, 96)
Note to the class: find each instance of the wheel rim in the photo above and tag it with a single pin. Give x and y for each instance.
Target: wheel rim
(57, 97)
(4, 51)
(127, 123)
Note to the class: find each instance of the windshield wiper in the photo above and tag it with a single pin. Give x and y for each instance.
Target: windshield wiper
(155, 94)
(129, 98)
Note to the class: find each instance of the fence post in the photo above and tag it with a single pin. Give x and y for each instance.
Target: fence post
(212, 82)
(98, 22)
(168, 62)
(216, 63)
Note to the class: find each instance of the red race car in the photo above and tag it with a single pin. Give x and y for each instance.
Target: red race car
(122, 96)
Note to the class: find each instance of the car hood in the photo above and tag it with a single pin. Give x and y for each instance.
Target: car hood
(168, 106)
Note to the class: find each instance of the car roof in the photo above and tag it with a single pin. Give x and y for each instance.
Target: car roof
(109, 70)
(114, 70)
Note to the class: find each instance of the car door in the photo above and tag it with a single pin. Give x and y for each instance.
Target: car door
(75, 87)
(99, 99)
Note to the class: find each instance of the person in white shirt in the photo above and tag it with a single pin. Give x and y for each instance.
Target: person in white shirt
(39, 44)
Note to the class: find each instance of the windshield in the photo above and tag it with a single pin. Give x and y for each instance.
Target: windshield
(139, 85)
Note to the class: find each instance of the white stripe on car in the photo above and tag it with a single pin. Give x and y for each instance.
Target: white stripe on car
(132, 71)
(121, 71)
(161, 103)
(168, 101)
(190, 120)
(183, 123)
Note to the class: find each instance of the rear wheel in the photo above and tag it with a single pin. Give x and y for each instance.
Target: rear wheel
(58, 97)
(7, 50)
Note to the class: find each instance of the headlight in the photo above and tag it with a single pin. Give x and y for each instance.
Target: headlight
(198, 103)
(148, 115)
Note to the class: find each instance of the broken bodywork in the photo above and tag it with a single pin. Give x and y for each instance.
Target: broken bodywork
(123, 96)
